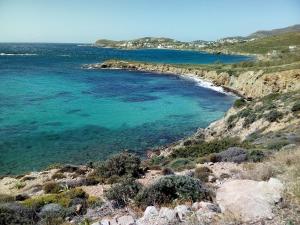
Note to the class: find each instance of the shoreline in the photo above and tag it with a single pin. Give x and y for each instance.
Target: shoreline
(200, 81)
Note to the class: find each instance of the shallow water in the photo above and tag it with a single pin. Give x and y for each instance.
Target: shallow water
(52, 111)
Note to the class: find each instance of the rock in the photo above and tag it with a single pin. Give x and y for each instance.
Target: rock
(250, 200)
(167, 213)
(126, 220)
(99, 212)
(182, 211)
(51, 210)
(150, 212)
(206, 206)
(233, 154)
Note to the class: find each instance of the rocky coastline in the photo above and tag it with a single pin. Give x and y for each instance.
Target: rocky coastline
(236, 171)
(241, 84)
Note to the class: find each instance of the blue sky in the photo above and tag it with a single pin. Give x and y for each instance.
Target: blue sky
(88, 20)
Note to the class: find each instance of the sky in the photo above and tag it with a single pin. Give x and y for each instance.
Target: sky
(85, 21)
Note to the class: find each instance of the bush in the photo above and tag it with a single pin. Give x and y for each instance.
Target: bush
(181, 164)
(167, 171)
(239, 103)
(205, 148)
(16, 214)
(245, 113)
(249, 120)
(170, 188)
(121, 165)
(93, 202)
(273, 116)
(296, 107)
(123, 192)
(64, 199)
(52, 188)
(202, 173)
(233, 154)
(256, 155)
(277, 145)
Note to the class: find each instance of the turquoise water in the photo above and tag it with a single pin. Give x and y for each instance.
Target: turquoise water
(52, 111)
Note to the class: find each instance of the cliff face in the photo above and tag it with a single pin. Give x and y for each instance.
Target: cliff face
(249, 84)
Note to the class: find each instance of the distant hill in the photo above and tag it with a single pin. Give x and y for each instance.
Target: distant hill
(260, 42)
(266, 33)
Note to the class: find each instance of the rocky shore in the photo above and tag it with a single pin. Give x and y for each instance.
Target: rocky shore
(242, 169)
(241, 84)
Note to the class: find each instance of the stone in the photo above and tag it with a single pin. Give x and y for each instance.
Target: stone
(206, 206)
(150, 212)
(182, 211)
(126, 220)
(250, 200)
(167, 213)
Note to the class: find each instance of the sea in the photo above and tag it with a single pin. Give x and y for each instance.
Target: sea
(52, 110)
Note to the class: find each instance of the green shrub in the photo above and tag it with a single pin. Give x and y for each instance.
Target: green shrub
(231, 118)
(273, 116)
(20, 184)
(277, 145)
(239, 103)
(93, 201)
(296, 107)
(205, 148)
(121, 165)
(180, 164)
(52, 188)
(245, 113)
(64, 199)
(249, 120)
(256, 155)
(123, 192)
(16, 214)
(170, 188)
(202, 173)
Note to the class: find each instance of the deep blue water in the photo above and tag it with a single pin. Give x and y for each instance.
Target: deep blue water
(52, 111)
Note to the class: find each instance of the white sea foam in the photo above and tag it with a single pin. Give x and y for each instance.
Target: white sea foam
(16, 54)
(206, 84)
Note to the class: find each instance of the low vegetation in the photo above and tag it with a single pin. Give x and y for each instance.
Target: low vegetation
(122, 193)
(117, 167)
(170, 188)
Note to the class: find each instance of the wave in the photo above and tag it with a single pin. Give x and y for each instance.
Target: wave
(16, 54)
(206, 84)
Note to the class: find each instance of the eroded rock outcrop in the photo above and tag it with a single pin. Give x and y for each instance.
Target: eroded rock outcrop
(249, 200)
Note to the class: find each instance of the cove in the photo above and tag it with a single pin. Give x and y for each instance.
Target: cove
(53, 111)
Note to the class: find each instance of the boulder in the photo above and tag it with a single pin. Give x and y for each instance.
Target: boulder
(250, 200)
(182, 211)
(150, 212)
(126, 220)
(167, 213)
